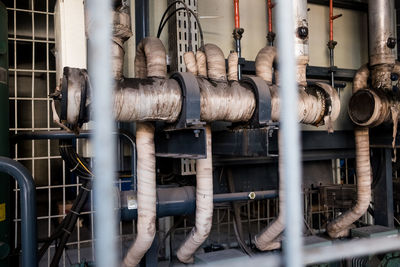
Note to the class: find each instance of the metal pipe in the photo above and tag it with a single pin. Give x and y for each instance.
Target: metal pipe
(381, 32)
(99, 12)
(300, 22)
(270, 34)
(289, 126)
(237, 35)
(28, 208)
(178, 201)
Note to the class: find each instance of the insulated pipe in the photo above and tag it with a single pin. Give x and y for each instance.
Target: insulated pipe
(146, 194)
(265, 59)
(201, 63)
(121, 33)
(204, 205)
(28, 208)
(150, 60)
(233, 61)
(340, 226)
(215, 63)
(301, 39)
(269, 238)
(190, 62)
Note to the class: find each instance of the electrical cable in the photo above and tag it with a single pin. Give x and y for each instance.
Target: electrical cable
(77, 165)
(188, 11)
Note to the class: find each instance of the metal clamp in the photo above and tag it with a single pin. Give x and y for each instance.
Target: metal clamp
(262, 113)
(190, 112)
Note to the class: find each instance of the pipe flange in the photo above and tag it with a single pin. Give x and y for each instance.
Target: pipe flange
(331, 103)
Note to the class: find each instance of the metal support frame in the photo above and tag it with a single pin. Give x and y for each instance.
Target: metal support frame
(383, 192)
(28, 208)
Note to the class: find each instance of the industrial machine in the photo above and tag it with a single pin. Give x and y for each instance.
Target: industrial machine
(200, 150)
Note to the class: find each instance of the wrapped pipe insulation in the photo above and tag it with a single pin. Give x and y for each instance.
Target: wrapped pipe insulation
(201, 63)
(340, 226)
(204, 205)
(190, 62)
(264, 63)
(215, 58)
(233, 61)
(146, 194)
(150, 60)
(269, 238)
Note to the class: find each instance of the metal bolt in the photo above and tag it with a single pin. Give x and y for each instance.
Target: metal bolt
(302, 32)
(391, 42)
(167, 135)
(196, 133)
(252, 195)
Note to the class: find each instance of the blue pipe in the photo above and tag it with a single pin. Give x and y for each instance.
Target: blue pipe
(28, 208)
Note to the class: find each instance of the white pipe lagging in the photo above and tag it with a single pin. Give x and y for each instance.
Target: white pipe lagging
(150, 61)
(146, 194)
(204, 205)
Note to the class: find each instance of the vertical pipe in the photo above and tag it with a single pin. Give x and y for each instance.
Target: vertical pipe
(237, 35)
(237, 16)
(381, 32)
(290, 133)
(270, 34)
(99, 12)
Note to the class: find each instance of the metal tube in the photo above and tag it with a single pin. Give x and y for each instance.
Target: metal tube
(28, 208)
(381, 32)
(290, 129)
(182, 201)
(99, 12)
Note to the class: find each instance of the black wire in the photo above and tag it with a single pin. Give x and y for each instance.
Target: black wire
(78, 166)
(189, 12)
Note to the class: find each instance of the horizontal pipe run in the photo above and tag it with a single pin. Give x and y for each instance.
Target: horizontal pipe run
(181, 201)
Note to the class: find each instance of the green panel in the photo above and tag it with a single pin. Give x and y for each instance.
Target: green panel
(5, 230)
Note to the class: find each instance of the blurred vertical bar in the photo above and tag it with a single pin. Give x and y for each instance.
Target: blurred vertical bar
(99, 28)
(290, 134)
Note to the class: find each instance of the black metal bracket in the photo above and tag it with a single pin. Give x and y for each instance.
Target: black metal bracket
(262, 113)
(183, 143)
(190, 112)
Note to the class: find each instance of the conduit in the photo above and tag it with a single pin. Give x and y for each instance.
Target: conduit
(146, 194)
(204, 205)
